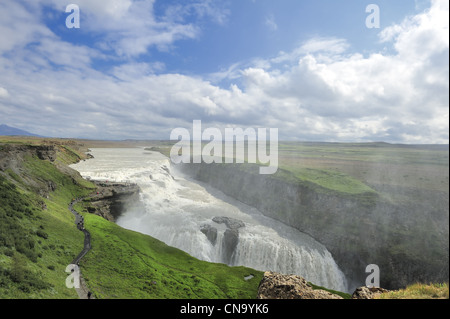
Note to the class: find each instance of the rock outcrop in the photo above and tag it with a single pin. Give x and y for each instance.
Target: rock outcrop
(230, 236)
(46, 153)
(210, 233)
(278, 286)
(12, 155)
(112, 199)
(368, 292)
(231, 223)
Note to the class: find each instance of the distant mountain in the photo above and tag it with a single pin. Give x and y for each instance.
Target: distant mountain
(6, 130)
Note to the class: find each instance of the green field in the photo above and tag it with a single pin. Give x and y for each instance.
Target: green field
(126, 264)
(420, 166)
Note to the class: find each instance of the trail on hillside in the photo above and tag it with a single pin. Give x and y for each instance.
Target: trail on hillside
(83, 292)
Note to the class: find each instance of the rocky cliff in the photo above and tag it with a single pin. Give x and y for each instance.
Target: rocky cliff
(112, 199)
(11, 154)
(407, 243)
(279, 286)
(12, 157)
(231, 236)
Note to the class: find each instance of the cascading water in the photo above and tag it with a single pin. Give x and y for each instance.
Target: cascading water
(205, 223)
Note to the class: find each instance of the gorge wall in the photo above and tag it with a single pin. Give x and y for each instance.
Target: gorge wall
(112, 199)
(407, 242)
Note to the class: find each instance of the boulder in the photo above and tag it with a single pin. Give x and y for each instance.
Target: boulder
(210, 232)
(229, 244)
(278, 286)
(231, 223)
(368, 292)
(46, 153)
(230, 236)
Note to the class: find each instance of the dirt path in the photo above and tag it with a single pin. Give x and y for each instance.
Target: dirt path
(83, 291)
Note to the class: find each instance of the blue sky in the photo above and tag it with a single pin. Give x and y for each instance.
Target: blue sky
(260, 28)
(312, 69)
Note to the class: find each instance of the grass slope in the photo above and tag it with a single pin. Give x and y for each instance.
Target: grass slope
(38, 239)
(38, 235)
(419, 291)
(126, 264)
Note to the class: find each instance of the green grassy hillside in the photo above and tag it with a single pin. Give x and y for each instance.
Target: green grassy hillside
(126, 264)
(38, 239)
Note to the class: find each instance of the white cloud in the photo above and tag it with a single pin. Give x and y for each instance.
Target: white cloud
(135, 71)
(369, 96)
(18, 26)
(320, 91)
(3, 92)
(330, 45)
(130, 27)
(422, 35)
(323, 48)
(271, 23)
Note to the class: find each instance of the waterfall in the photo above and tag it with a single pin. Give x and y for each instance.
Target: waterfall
(207, 224)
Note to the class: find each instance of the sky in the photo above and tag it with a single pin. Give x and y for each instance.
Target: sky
(314, 69)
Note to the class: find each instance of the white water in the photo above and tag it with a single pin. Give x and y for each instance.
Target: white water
(176, 208)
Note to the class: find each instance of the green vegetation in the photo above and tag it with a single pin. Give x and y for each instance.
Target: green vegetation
(36, 244)
(37, 234)
(368, 165)
(13, 234)
(326, 180)
(126, 264)
(67, 155)
(419, 291)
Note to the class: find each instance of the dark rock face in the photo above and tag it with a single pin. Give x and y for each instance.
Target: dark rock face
(210, 232)
(112, 199)
(13, 157)
(51, 186)
(229, 244)
(230, 237)
(368, 293)
(231, 223)
(278, 286)
(46, 153)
